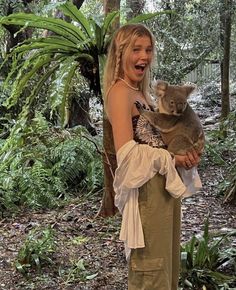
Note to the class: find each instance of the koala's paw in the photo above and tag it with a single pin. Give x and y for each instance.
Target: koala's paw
(140, 107)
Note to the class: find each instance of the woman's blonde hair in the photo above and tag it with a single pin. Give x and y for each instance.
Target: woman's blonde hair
(120, 46)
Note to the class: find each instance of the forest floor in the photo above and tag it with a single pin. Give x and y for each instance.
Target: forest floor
(89, 254)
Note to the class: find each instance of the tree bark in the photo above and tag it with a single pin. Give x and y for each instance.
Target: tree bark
(78, 115)
(109, 156)
(225, 64)
(136, 7)
(16, 36)
(109, 165)
(111, 5)
(78, 3)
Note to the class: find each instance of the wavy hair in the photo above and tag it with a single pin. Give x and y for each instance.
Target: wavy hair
(121, 44)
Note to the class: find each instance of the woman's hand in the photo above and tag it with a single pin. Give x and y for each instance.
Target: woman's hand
(187, 161)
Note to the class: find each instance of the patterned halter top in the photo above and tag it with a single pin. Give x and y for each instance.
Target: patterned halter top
(145, 133)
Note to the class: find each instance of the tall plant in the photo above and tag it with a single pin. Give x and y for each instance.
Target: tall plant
(57, 57)
(77, 47)
(56, 61)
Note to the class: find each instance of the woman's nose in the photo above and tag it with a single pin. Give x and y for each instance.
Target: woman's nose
(144, 54)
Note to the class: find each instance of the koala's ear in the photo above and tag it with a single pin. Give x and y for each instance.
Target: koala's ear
(189, 89)
(161, 87)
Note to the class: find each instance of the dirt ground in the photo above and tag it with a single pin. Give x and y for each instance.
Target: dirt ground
(101, 251)
(94, 241)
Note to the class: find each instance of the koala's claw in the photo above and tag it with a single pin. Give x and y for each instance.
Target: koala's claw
(139, 106)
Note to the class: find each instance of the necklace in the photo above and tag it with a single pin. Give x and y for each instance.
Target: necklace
(131, 87)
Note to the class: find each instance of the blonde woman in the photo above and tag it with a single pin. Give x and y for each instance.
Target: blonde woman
(148, 188)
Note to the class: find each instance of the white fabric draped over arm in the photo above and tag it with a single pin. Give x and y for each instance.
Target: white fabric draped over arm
(137, 163)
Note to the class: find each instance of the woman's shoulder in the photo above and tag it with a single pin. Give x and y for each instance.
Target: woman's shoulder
(118, 94)
(119, 102)
(118, 90)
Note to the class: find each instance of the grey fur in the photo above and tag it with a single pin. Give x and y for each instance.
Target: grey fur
(179, 125)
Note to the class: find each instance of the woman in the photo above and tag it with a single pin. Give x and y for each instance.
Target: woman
(145, 175)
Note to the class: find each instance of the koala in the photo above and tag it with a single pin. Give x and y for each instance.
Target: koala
(179, 126)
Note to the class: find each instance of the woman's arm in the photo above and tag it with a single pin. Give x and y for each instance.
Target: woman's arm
(119, 112)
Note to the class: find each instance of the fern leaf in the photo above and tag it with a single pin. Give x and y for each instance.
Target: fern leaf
(71, 10)
(59, 26)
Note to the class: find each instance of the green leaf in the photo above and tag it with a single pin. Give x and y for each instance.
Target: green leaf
(79, 240)
(90, 277)
(184, 256)
(61, 85)
(36, 261)
(98, 36)
(71, 10)
(59, 26)
(80, 265)
(19, 267)
(21, 80)
(48, 42)
(147, 16)
(108, 21)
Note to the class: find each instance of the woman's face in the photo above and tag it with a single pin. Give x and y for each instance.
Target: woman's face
(137, 60)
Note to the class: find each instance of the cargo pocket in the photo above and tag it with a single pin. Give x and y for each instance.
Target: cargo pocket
(148, 274)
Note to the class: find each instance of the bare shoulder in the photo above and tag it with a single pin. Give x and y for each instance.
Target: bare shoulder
(119, 109)
(119, 94)
(119, 101)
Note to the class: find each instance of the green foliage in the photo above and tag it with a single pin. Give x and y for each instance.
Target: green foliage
(41, 164)
(81, 44)
(55, 59)
(218, 145)
(220, 150)
(186, 37)
(202, 259)
(76, 272)
(36, 250)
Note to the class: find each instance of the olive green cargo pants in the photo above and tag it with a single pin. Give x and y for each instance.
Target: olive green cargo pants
(156, 267)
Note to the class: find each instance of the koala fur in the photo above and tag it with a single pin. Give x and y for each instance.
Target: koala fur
(178, 124)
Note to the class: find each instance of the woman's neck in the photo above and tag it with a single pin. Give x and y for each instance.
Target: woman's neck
(135, 88)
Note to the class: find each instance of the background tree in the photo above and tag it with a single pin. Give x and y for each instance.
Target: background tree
(109, 156)
(225, 36)
(135, 8)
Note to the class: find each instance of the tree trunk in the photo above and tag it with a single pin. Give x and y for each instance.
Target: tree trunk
(225, 42)
(136, 7)
(109, 164)
(109, 156)
(111, 5)
(78, 3)
(16, 36)
(78, 115)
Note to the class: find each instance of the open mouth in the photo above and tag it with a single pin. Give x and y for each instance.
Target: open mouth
(140, 67)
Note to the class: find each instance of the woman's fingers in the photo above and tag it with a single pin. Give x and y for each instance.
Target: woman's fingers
(187, 161)
(193, 158)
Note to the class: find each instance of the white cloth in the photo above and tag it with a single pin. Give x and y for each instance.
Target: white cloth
(191, 180)
(138, 163)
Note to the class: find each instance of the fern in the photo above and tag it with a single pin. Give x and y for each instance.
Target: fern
(40, 165)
